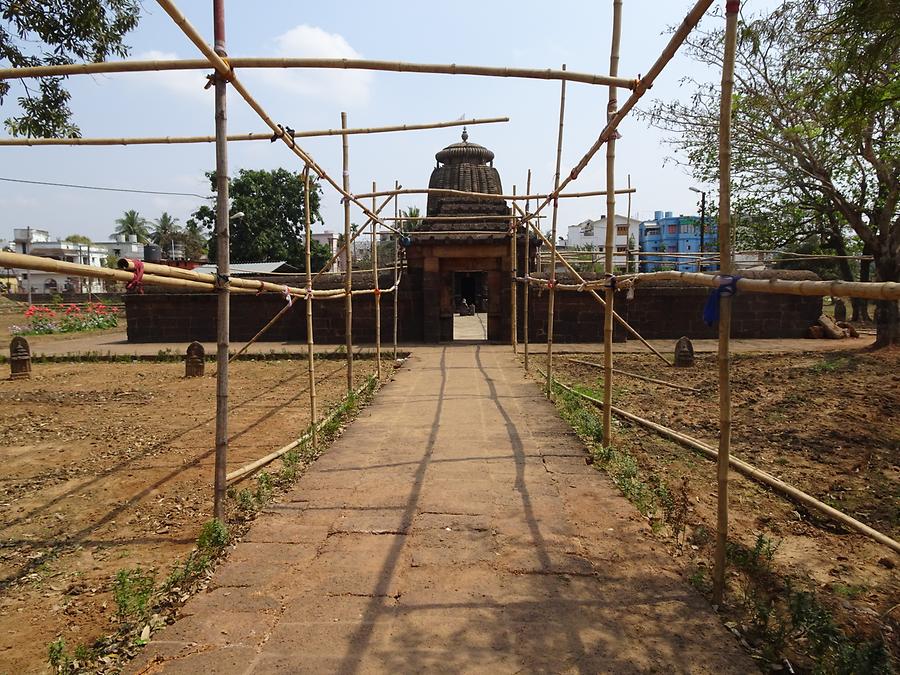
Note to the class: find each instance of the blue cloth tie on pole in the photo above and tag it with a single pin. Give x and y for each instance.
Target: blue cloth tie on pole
(727, 287)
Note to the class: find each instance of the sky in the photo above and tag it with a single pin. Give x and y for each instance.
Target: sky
(525, 33)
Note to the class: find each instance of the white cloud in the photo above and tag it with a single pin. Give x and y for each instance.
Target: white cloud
(347, 87)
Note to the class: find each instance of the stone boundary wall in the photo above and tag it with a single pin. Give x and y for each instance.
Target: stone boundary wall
(660, 311)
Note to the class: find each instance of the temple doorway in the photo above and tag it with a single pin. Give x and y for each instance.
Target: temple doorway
(470, 303)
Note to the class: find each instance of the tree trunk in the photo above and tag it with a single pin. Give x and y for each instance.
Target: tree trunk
(861, 305)
(887, 313)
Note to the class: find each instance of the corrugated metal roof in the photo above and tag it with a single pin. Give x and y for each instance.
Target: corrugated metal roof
(251, 268)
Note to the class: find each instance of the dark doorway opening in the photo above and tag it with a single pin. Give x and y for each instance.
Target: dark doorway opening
(470, 305)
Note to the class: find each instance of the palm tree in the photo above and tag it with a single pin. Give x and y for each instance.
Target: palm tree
(165, 232)
(412, 219)
(132, 222)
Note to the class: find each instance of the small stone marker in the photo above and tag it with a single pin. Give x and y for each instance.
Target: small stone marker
(195, 361)
(840, 310)
(19, 358)
(684, 353)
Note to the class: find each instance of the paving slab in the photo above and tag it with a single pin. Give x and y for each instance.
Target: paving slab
(454, 527)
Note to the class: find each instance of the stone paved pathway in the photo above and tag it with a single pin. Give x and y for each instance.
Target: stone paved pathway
(454, 527)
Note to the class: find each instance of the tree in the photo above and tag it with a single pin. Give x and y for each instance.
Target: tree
(166, 232)
(133, 223)
(55, 33)
(194, 240)
(412, 219)
(274, 219)
(816, 148)
(78, 239)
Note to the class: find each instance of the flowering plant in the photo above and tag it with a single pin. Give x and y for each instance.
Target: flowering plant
(68, 318)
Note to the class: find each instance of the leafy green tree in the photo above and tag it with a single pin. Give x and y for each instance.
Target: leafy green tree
(78, 239)
(166, 232)
(133, 223)
(194, 240)
(55, 33)
(412, 219)
(816, 130)
(274, 220)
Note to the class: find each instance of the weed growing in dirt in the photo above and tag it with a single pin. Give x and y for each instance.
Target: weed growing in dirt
(132, 590)
(757, 560)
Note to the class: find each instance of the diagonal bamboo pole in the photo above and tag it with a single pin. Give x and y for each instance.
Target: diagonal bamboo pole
(610, 229)
(724, 357)
(374, 256)
(281, 62)
(551, 299)
(178, 140)
(310, 348)
(348, 257)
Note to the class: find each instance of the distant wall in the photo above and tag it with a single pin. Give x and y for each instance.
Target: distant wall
(661, 311)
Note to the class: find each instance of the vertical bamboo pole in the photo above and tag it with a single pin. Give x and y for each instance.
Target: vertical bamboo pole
(551, 299)
(726, 266)
(310, 349)
(348, 258)
(610, 244)
(513, 273)
(374, 256)
(527, 290)
(396, 267)
(628, 264)
(223, 311)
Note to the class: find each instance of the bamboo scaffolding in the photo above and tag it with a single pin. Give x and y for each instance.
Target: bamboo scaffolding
(683, 387)
(466, 193)
(223, 254)
(258, 136)
(226, 68)
(526, 290)
(310, 347)
(594, 294)
(346, 245)
(250, 468)
(278, 130)
(551, 299)
(750, 471)
(678, 37)
(504, 219)
(374, 256)
(348, 257)
(513, 267)
(610, 228)
(725, 264)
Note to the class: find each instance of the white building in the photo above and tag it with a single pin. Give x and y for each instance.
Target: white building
(330, 240)
(592, 234)
(38, 242)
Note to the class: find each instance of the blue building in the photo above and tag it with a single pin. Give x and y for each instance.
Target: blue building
(674, 234)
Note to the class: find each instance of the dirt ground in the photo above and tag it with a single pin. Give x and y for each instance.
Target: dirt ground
(108, 466)
(827, 423)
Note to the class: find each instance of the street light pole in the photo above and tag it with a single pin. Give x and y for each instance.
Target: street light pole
(702, 224)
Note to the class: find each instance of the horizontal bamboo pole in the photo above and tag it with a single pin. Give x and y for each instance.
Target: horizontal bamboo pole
(245, 471)
(449, 218)
(235, 282)
(425, 233)
(37, 263)
(465, 193)
(315, 63)
(172, 140)
(683, 387)
(751, 472)
(882, 290)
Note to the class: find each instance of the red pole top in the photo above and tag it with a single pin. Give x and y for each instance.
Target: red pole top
(219, 26)
(732, 6)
